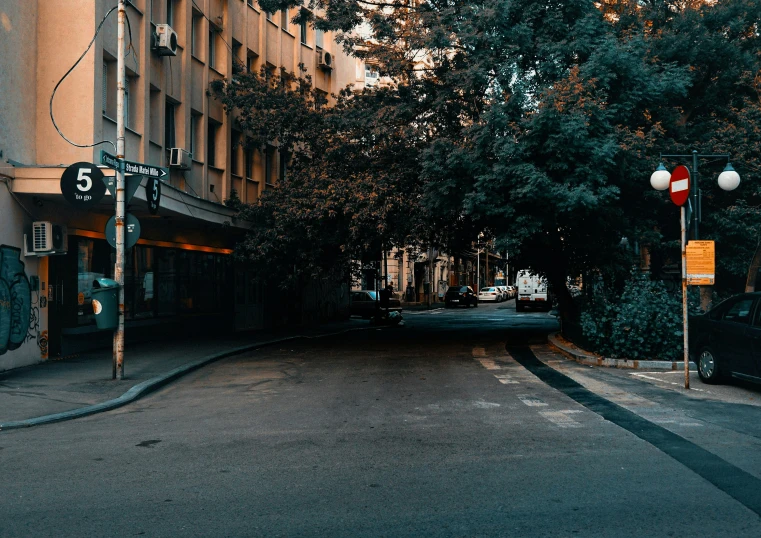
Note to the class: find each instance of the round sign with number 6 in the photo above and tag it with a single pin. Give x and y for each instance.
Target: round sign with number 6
(82, 185)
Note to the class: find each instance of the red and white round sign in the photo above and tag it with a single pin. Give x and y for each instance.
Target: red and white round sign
(679, 187)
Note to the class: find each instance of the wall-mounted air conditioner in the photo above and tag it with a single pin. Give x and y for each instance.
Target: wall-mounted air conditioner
(179, 158)
(165, 40)
(47, 239)
(324, 60)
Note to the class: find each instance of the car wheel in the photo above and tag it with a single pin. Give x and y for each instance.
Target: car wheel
(475, 304)
(708, 367)
(518, 307)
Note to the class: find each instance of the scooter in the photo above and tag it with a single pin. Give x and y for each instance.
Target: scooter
(392, 318)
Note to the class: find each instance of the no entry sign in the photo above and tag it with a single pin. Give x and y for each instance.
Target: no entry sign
(679, 187)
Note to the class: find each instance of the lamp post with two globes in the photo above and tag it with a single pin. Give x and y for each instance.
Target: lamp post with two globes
(687, 180)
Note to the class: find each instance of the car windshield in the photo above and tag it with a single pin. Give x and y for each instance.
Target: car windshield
(371, 294)
(487, 289)
(458, 289)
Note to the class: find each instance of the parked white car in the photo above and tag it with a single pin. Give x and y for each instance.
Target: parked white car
(490, 294)
(505, 292)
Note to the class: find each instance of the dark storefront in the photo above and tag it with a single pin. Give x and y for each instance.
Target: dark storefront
(168, 291)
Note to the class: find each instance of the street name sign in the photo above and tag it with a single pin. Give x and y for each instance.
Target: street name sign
(142, 169)
(131, 167)
(679, 186)
(701, 263)
(131, 231)
(109, 160)
(82, 185)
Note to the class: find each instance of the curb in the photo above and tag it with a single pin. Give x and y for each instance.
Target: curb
(587, 358)
(141, 389)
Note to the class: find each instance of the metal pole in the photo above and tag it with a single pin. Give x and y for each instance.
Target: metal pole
(684, 300)
(478, 268)
(118, 362)
(430, 277)
(694, 194)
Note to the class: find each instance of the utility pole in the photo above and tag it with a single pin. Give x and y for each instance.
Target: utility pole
(118, 361)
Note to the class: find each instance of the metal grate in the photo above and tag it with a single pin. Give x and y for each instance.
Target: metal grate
(41, 236)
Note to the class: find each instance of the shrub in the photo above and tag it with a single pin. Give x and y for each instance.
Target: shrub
(644, 321)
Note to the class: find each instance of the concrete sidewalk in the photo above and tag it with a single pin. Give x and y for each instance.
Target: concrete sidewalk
(58, 390)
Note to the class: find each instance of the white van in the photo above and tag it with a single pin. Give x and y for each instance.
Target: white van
(532, 292)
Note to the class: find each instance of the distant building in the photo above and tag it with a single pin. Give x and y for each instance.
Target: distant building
(180, 274)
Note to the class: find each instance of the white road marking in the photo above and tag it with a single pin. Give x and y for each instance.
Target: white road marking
(531, 401)
(645, 376)
(506, 379)
(561, 418)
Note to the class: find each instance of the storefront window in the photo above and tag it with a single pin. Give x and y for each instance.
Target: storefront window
(167, 282)
(143, 260)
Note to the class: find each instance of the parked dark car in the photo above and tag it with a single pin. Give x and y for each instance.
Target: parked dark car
(460, 296)
(726, 340)
(363, 303)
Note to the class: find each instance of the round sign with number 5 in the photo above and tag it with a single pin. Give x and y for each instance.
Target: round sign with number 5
(82, 185)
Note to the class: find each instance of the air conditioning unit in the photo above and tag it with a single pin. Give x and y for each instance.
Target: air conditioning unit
(324, 60)
(165, 40)
(179, 158)
(49, 238)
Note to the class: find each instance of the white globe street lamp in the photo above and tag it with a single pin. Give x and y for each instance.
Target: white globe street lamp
(660, 178)
(729, 179)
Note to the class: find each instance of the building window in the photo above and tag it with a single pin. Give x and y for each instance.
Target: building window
(319, 38)
(211, 144)
(284, 19)
(249, 163)
(283, 165)
(194, 119)
(234, 150)
(169, 127)
(250, 64)
(250, 3)
(105, 87)
(303, 32)
(195, 34)
(170, 12)
(269, 16)
(212, 48)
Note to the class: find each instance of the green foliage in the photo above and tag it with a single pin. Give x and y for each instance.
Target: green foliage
(643, 321)
(538, 121)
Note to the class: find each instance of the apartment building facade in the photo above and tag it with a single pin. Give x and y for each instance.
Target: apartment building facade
(181, 271)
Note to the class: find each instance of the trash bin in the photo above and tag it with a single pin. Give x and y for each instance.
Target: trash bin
(105, 303)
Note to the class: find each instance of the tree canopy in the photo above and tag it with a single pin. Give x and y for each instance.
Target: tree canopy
(539, 122)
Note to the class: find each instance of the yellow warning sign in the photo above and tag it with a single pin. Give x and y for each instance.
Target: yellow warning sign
(701, 263)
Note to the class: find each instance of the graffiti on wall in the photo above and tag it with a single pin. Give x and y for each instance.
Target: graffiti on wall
(15, 300)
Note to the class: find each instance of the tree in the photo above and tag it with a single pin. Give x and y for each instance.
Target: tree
(537, 121)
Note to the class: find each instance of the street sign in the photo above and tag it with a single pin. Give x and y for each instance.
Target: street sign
(142, 169)
(82, 185)
(131, 183)
(131, 231)
(110, 160)
(679, 186)
(701, 263)
(131, 167)
(153, 194)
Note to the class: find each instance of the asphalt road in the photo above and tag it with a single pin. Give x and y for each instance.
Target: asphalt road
(462, 423)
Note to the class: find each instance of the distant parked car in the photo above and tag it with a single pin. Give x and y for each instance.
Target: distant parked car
(460, 296)
(503, 293)
(726, 340)
(492, 294)
(363, 303)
